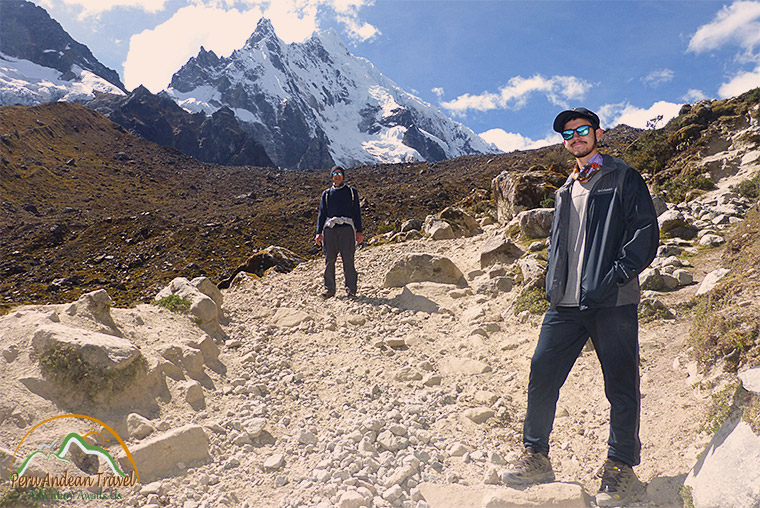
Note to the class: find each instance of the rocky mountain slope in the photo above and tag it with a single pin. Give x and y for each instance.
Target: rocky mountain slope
(314, 104)
(411, 395)
(73, 182)
(217, 138)
(42, 63)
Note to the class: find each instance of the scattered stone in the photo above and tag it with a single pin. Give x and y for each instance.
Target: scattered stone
(479, 414)
(194, 395)
(750, 379)
(417, 267)
(274, 462)
(711, 280)
(168, 453)
(499, 250)
(452, 365)
(438, 229)
(710, 240)
(138, 426)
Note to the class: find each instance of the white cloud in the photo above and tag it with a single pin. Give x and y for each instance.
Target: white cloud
(740, 83)
(438, 91)
(694, 95)
(624, 113)
(155, 54)
(658, 77)
(738, 23)
(557, 89)
(92, 8)
(510, 141)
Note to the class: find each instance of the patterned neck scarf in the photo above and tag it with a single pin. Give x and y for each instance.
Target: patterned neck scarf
(588, 171)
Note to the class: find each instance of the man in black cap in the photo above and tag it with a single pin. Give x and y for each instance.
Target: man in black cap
(604, 233)
(339, 230)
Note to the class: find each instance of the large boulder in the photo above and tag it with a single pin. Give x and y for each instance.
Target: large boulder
(536, 223)
(463, 223)
(418, 267)
(96, 306)
(438, 229)
(711, 280)
(499, 250)
(99, 352)
(670, 220)
(273, 258)
(205, 301)
(727, 473)
(168, 454)
(516, 191)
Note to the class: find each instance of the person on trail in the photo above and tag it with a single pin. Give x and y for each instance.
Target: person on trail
(604, 233)
(339, 230)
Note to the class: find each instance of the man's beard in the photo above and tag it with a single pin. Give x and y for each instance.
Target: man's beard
(584, 150)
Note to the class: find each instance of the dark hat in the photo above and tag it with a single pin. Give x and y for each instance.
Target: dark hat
(567, 115)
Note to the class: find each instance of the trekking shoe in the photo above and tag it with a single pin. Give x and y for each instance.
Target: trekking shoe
(532, 468)
(350, 293)
(619, 484)
(327, 294)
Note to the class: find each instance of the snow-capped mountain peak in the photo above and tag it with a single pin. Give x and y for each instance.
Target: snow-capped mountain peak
(40, 62)
(314, 104)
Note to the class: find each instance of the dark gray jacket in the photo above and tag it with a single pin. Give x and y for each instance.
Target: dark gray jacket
(622, 236)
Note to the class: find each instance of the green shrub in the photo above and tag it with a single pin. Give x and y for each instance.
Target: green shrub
(749, 188)
(387, 227)
(66, 366)
(533, 300)
(173, 303)
(677, 187)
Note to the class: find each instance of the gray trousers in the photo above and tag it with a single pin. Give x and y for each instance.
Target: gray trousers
(340, 239)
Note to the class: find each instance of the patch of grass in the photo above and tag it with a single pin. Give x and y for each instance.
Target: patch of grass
(17, 497)
(679, 186)
(752, 413)
(388, 226)
(719, 330)
(722, 406)
(547, 202)
(66, 366)
(533, 300)
(687, 496)
(173, 303)
(749, 188)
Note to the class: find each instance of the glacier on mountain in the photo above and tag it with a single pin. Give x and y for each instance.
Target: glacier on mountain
(314, 104)
(26, 83)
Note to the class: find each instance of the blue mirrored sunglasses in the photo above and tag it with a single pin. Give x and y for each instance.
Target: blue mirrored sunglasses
(337, 173)
(583, 130)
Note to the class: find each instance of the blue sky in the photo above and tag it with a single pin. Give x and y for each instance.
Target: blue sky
(504, 68)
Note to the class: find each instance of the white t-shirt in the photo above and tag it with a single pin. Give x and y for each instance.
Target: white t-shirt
(576, 239)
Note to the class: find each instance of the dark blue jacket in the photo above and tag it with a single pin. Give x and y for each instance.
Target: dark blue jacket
(342, 201)
(622, 236)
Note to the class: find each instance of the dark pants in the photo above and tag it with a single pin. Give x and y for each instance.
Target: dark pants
(340, 239)
(614, 333)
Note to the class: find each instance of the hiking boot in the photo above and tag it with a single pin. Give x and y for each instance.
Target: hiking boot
(327, 294)
(619, 484)
(532, 468)
(350, 293)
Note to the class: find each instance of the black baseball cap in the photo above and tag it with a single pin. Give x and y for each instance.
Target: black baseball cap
(565, 116)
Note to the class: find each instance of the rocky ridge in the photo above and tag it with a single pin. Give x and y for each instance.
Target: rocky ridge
(411, 395)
